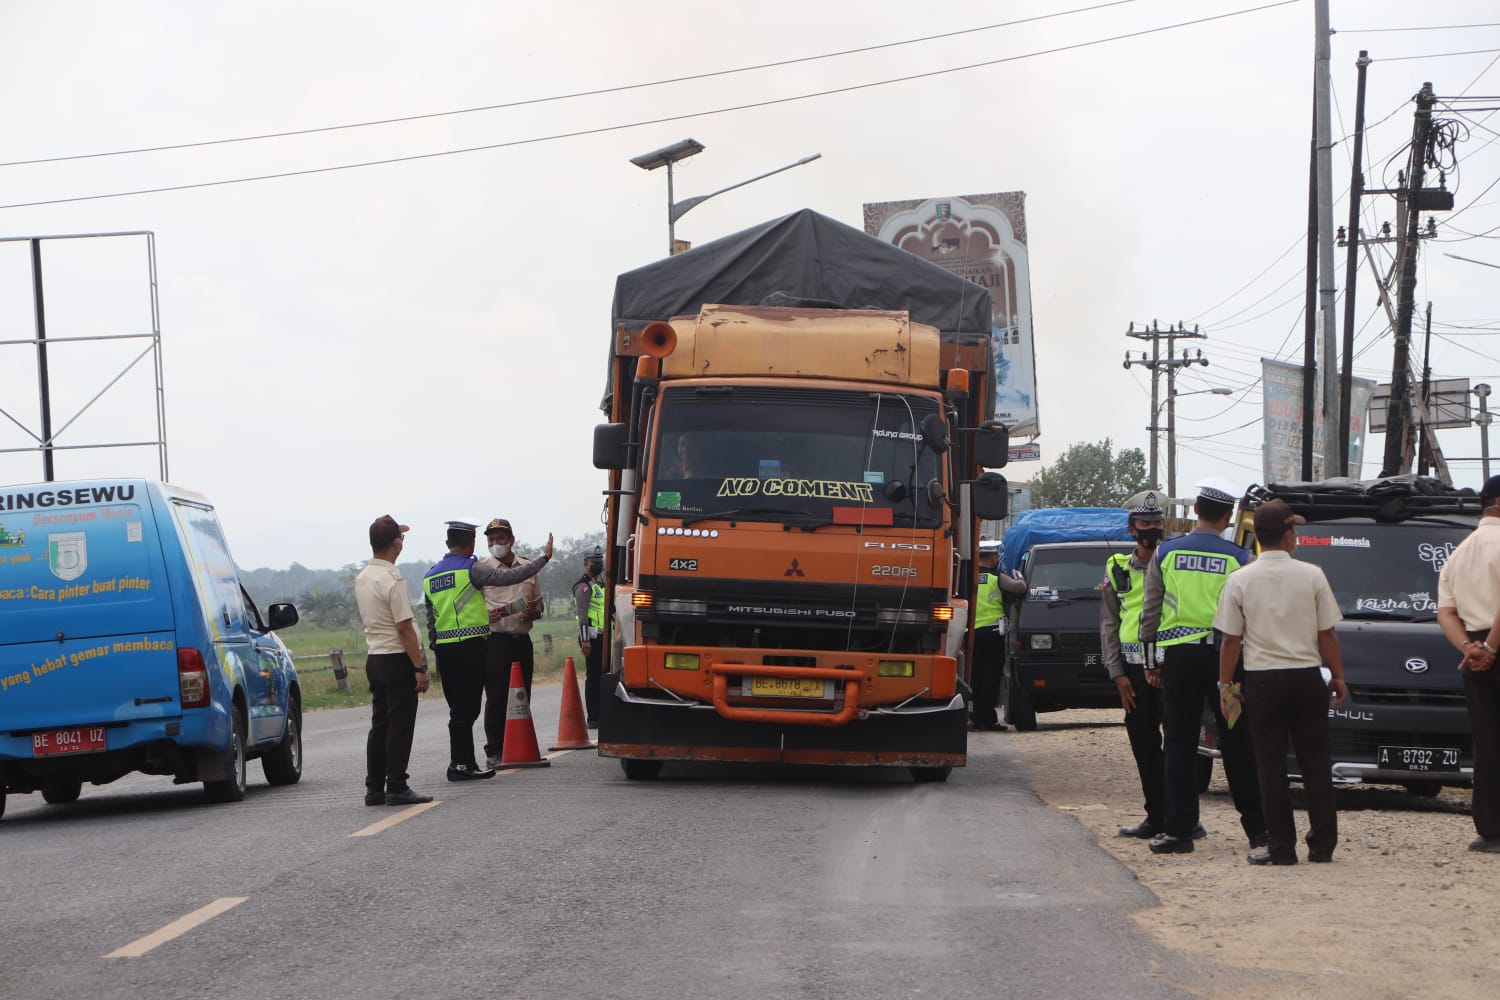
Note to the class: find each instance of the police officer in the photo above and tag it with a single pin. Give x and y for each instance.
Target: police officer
(989, 636)
(588, 598)
(1181, 596)
(1122, 595)
(458, 627)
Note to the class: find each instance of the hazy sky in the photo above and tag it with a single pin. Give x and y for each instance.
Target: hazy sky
(427, 338)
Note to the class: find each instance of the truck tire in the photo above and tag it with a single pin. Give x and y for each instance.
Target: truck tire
(925, 775)
(61, 791)
(2, 800)
(640, 770)
(232, 789)
(1019, 711)
(283, 763)
(1423, 789)
(1205, 772)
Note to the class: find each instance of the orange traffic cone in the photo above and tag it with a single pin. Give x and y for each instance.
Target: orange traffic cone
(571, 732)
(520, 735)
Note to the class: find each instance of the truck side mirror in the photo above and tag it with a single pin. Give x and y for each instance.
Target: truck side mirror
(990, 496)
(992, 445)
(934, 433)
(611, 449)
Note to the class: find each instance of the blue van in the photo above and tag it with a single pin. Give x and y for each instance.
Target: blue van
(127, 644)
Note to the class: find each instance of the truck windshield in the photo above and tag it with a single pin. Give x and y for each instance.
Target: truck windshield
(1381, 570)
(797, 455)
(1056, 571)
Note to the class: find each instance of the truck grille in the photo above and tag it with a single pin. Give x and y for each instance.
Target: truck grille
(1369, 694)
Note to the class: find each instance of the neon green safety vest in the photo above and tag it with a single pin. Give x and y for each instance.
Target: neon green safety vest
(989, 606)
(596, 604)
(458, 609)
(1132, 595)
(1192, 580)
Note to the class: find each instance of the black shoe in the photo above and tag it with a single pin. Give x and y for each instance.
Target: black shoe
(468, 772)
(1259, 840)
(405, 797)
(1485, 845)
(1199, 833)
(1320, 857)
(1144, 830)
(373, 798)
(998, 727)
(1267, 858)
(1165, 843)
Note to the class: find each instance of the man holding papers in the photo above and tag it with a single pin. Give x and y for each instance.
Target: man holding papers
(1281, 612)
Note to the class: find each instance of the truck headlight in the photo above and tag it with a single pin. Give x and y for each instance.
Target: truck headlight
(1041, 640)
(900, 616)
(680, 606)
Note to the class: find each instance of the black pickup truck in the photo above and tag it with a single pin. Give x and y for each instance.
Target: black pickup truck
(1381, 545)
(1053, 657)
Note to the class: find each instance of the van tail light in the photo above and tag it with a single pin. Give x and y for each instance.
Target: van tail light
(192, 678)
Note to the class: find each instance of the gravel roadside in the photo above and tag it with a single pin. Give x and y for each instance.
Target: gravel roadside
(1404, 911)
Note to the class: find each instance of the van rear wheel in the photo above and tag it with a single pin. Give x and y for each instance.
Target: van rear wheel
(231, 789)
(640, 770)
(62, 791)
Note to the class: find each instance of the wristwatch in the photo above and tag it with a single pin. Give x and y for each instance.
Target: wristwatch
(1224, 687)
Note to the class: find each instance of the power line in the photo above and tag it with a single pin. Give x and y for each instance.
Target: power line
(621, 88)
(1425, 27)
(1439, 55)
(657, 121)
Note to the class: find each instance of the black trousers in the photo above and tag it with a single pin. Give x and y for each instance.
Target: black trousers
(1292, 704)
(1482, 695)
(989, 662)
(502, 651)
(1143, 727)
(393, 720)
(461, 666)
(1190, 679)
(593, 677)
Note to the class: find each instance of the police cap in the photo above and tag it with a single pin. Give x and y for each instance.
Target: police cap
(1146, 506)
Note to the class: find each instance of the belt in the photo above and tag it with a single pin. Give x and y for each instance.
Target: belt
(1199, 635)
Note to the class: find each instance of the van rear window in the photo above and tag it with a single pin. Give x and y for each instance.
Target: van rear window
(80, 558)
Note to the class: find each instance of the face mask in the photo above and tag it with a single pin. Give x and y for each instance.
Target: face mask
(499, 551)
(1149, 537)
(595, 568)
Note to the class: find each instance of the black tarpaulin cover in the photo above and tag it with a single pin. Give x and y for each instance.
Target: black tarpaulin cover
(803, 256)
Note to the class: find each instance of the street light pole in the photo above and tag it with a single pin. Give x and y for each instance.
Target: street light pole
(1172, 397)
(669, 155)
(1482, 390)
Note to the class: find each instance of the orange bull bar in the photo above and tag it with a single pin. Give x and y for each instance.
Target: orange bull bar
(721, 671)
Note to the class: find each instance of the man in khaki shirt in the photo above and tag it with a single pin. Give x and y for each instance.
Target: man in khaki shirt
(394, 667)
(1469, 612)
(510, 635)
(1281, 612)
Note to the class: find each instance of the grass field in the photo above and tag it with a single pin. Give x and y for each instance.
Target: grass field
(311, 645)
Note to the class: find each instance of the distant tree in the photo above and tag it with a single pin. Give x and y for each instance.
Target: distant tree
(1090, 475)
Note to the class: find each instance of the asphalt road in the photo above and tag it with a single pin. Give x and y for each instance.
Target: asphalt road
(570, 881)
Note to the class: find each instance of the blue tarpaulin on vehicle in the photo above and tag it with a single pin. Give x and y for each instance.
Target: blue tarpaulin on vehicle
(1062, 524)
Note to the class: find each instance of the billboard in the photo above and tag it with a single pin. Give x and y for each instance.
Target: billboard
(1447, 398)
(1282, 423)
(981, 237)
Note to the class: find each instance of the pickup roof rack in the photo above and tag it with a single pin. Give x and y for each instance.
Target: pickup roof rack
(1389, 500)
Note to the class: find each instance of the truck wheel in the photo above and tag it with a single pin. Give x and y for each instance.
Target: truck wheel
(233, 788)
(1019, 711)
(640, 770)
(1205, 772)
(2, 800)
(923, 775)
(61, 791)
(1423, 789)
(283, 765)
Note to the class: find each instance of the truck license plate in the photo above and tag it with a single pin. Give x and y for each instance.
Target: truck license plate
(1418, 759)
(87, 739)
(785, 687)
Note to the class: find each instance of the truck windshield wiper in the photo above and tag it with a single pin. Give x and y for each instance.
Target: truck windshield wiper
(728, 512)
(1070, 594)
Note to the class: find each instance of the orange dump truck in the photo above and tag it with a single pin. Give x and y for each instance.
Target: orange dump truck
(797, 442)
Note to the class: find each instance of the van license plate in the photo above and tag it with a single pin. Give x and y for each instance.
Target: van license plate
(786, 687)
(1418, 759)
(60, 741)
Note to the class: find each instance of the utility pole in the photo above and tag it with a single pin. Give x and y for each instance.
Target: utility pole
(1424, 449)
(1351, 271)
(1170, 363)
(1482, 390)
(1398, 415)
(1323, 91)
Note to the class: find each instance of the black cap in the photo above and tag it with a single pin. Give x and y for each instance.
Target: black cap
(1490, 490)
